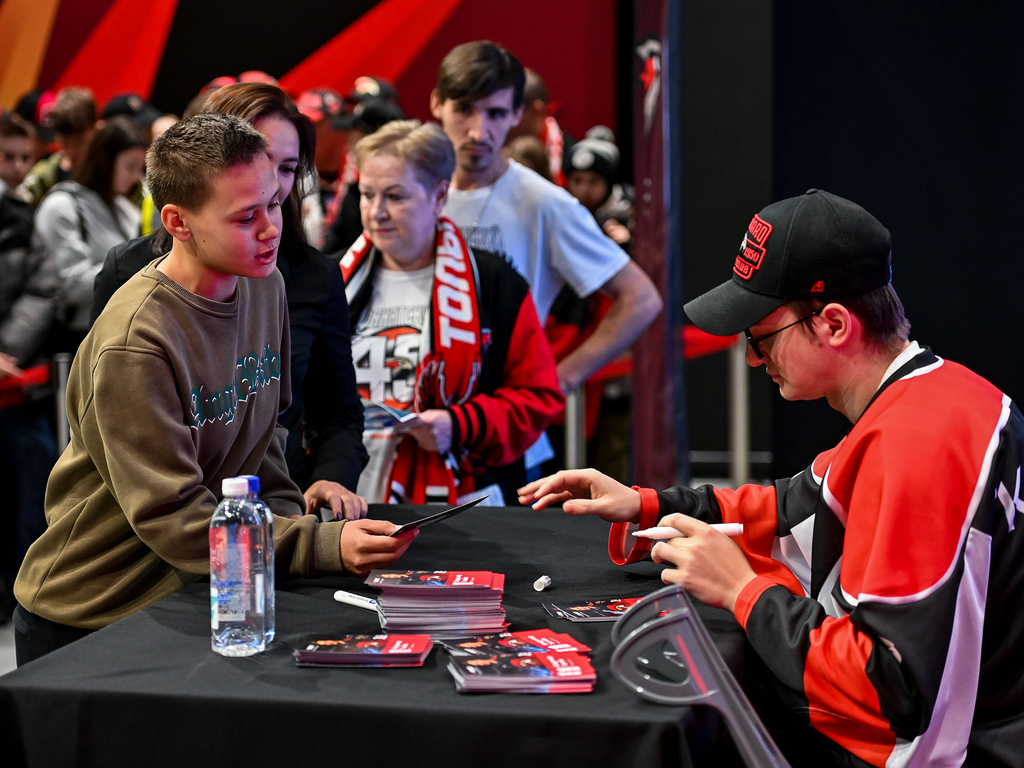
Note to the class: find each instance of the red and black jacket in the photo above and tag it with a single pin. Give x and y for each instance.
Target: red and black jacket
(889, 605)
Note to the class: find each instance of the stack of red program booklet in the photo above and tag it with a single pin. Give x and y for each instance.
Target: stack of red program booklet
(445, 603)
(531, 661)
(363, 651)
(534, 673)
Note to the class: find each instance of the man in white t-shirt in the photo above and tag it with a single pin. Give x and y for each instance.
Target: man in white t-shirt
(539, 228)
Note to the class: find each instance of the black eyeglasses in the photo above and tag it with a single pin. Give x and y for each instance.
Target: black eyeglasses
(755, 341)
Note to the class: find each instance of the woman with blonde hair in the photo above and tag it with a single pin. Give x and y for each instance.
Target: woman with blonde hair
(442, 333)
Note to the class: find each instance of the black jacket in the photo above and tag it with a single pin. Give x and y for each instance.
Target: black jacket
(325, 419)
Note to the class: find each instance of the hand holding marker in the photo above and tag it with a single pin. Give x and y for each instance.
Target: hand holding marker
(667, 532)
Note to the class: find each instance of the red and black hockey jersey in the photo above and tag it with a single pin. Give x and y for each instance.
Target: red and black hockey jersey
(890, 598)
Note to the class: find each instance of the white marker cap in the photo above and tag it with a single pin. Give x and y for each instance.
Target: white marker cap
(542, 583)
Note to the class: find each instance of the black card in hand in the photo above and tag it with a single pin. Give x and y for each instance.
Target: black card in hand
(443, 515)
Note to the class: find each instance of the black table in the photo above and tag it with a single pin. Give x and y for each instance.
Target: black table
(149, 691)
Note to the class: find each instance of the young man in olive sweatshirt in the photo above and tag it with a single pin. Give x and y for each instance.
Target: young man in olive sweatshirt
(178, 386)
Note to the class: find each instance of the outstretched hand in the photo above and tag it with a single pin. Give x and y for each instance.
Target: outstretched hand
(366, 544)
(708, 564)
(584, 492)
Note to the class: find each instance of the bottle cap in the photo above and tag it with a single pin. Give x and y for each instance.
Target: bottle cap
(254, 483)
(234, 486)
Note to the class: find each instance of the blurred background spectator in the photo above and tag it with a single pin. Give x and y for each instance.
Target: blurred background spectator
(73, 120)
(82, 218)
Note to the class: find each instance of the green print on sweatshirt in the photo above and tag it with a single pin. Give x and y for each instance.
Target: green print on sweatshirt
(251, 372)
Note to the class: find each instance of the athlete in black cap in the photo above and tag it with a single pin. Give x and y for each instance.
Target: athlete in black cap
(883, 587)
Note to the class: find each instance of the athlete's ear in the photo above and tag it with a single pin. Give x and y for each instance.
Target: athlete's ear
(517, 116)
(435, 104)
(172, 217)
(838, 323)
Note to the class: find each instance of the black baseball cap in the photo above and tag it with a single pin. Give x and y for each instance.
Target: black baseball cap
(815, 246)
(368, 116)
(368, 88)
(319, 103)
(35, 107)
(134, 106)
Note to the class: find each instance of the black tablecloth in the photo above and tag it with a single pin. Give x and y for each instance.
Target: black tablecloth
(149, 691)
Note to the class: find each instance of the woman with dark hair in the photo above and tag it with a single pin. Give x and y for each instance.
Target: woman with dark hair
(324, 451)
(81, 219)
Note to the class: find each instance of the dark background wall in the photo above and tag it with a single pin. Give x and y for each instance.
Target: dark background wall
(728, 95)
(913, 110)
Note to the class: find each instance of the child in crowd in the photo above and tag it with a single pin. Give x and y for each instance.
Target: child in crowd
(591, 167)
(177, 386)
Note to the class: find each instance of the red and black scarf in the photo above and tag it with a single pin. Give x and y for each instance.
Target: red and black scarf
(447, 375)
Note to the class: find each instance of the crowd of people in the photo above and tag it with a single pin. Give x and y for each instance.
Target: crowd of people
(399, 301)
(360, 308)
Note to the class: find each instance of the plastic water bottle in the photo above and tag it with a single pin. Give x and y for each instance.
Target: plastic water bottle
(237, 591)
(268, 555)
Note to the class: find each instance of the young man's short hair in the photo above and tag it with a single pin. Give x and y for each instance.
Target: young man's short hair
(880, 311)
(181, 163)
(74, 111)
(12, 126)
(474, 71)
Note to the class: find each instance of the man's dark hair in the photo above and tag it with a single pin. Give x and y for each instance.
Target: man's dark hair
(535, 89)
(473, 71)
(13, 126)
(881, 311)
(74, 111)
(182, 162)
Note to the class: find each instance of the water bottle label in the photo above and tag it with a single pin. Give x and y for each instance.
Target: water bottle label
(228, 566)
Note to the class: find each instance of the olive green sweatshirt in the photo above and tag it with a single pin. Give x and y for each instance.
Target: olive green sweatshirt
(169, 394)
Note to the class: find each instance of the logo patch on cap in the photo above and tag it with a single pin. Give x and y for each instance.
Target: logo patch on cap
(582, 159)
(818, 287)
(752, 248)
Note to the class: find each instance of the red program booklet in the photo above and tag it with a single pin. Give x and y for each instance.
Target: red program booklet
(592, 610)
(514, 643)
(536, 673)
(363, 651)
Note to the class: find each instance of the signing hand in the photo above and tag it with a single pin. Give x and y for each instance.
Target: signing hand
(708, 564)
(433, 430)
(584, 492)
(365, 545)
(345, 504)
